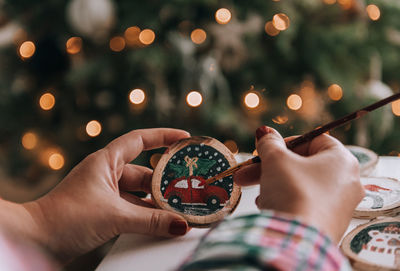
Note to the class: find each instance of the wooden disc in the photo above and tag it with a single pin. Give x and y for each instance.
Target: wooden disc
(367, 159)
(374, 245)
(178, 182)
(382, 198)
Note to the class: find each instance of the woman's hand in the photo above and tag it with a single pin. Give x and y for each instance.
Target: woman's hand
(91, 205)
(317, 181)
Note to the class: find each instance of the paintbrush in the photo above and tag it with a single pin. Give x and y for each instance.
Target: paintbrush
(310, 135)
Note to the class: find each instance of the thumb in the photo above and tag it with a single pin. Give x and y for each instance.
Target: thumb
(153, 222)
(270, 143)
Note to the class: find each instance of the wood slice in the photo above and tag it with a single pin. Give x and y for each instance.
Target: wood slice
(178, 182)
(374, 245)
(367, 159)
(382, 198)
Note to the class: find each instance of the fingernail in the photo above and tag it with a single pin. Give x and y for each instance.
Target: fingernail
(261, 131)
(177, 227)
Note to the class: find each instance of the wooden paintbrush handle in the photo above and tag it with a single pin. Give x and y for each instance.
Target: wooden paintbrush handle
(339, 122)
(313, 134)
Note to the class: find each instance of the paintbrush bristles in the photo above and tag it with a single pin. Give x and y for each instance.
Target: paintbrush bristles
(229, 171)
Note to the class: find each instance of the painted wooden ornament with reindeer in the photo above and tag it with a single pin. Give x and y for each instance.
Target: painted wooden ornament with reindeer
(179, 181)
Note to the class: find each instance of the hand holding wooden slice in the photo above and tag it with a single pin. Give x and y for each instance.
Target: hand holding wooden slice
(179, 181)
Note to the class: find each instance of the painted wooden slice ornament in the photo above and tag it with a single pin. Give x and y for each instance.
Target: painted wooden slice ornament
(374, 245)
(382, 198)
(179, 181)
(367, 159)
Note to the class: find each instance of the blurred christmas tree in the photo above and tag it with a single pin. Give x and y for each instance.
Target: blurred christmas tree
(78, 73)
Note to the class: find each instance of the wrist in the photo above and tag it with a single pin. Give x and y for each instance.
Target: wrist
(46, 216)
(311, 216)
(17, 219)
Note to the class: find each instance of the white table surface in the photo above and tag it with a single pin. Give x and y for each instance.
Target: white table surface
(139, 252)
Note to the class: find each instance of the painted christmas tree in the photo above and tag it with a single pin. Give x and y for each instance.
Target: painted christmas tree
(194, 166)
(184, 184)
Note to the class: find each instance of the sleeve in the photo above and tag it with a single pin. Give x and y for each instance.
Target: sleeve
(265, 241)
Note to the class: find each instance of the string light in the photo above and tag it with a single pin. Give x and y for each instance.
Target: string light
(137, 96)
(147, 36)
(93, 128)
(27, 49)
(329, 2)
(223, 16)
(281, 21)
(194, 99)
(56, 161)
(396, 108)
(29, 140)
(47, 101)
(198, 36)
(117, 44)
(294, 102)
(373, 12)
(270, 29)
(74, 45)
(251, 100)
(132, 35)
(232, 146)
(154, 159)
(335, 92)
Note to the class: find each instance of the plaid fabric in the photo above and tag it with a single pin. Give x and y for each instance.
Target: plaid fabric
(265, 241)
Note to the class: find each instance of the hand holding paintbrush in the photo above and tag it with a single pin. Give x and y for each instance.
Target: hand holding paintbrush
(312, 134)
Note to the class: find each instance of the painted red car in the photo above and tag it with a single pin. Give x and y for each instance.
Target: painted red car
(194, 190)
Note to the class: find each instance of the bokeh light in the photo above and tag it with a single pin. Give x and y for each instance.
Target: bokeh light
(117, 44)
(281, 21)
(251, 100)
(194, 99)
(29, 140)
(294, 102)
(329, 2)
(270, 29)
(346, 4)
(396, 107)
(47, 101)
(93, 128)
(232, 146)
(223, 16)
(132, 35)
(373, 12)
(335, 92)
(74, 45)
(198, 36)
(147, 36)
(137, 96)
(56, 161)
(27, 49)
